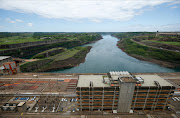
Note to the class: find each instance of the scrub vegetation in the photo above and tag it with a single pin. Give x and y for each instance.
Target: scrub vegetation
(28, 50)
(53, 50)
(66, 59)
(166, 42)
(146, 52)
(14, 38)
(48, 53)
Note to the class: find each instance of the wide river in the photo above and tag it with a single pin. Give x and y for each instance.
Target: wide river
(105, 56)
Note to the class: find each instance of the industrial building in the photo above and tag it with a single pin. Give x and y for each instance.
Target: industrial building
(168, 34)
(7, 65)
(123, 92)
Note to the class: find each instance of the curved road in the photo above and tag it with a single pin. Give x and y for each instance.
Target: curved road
(152, 46)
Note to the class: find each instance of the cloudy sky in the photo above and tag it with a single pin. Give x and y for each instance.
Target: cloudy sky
(89, 15)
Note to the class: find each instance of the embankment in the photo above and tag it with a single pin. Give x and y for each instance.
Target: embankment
(48, 53)
(68, 59)
(162, 57)
(31, 50)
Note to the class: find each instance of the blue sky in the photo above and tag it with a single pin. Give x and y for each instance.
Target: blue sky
(89, 15)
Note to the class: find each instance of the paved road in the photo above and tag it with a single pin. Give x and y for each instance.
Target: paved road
(68, 115)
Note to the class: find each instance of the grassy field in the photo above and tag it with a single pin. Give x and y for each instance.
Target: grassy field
(17, 39)
(13, 38)
(41, 54)
(165, 42)
(2, 49)
(66, 54)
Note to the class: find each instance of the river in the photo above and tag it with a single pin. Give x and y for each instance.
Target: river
(105, 56)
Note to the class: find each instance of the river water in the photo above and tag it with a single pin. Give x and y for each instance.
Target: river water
(105, 56)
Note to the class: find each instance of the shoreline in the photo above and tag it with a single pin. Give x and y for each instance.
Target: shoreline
(155, 61)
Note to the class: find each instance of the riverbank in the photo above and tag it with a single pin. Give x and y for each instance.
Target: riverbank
(67, 59)
(145, 53)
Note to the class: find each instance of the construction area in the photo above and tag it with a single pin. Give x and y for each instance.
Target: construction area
(103, 93)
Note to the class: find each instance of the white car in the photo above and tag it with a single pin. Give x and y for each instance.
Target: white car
(33, 98)
(62, 99)
(176, 98)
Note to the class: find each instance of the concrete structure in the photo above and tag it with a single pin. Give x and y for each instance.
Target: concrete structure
(152, 94)
(3, 60)
(22, 107)
(123, 92)
(126, 92)
(167, 34)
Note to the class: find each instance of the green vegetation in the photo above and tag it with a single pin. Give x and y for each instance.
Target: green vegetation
(17, 39)
(14, 38)
(2, 49)
(50, 52)
(70, 40)
(32, 66)
(11, 34)
(49, 61)
(66, 54)
(132, 34)
(133, 48)
(165, 42)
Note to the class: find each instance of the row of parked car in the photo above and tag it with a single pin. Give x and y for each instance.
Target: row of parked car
(71, 100)
(25, 98)
(176, 98)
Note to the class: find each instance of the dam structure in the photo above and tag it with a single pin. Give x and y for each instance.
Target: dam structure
(116, 91)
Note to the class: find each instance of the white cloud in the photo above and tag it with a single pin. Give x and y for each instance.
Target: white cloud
(9, 20)
(174, 7)
(96, 20)
(30, 24)
(19, 20)
(175, 2)
(95, 10)
(13, 21)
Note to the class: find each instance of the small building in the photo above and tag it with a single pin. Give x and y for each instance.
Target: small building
(7, 65)
(4, 59)
(22, 107)
(9, 107)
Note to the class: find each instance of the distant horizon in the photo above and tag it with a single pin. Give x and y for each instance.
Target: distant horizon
(97, 32)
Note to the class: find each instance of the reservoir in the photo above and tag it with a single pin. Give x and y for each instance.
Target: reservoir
(105, 56)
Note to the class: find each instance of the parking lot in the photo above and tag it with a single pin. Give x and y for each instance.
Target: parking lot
(48, 104)
(55, 104)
